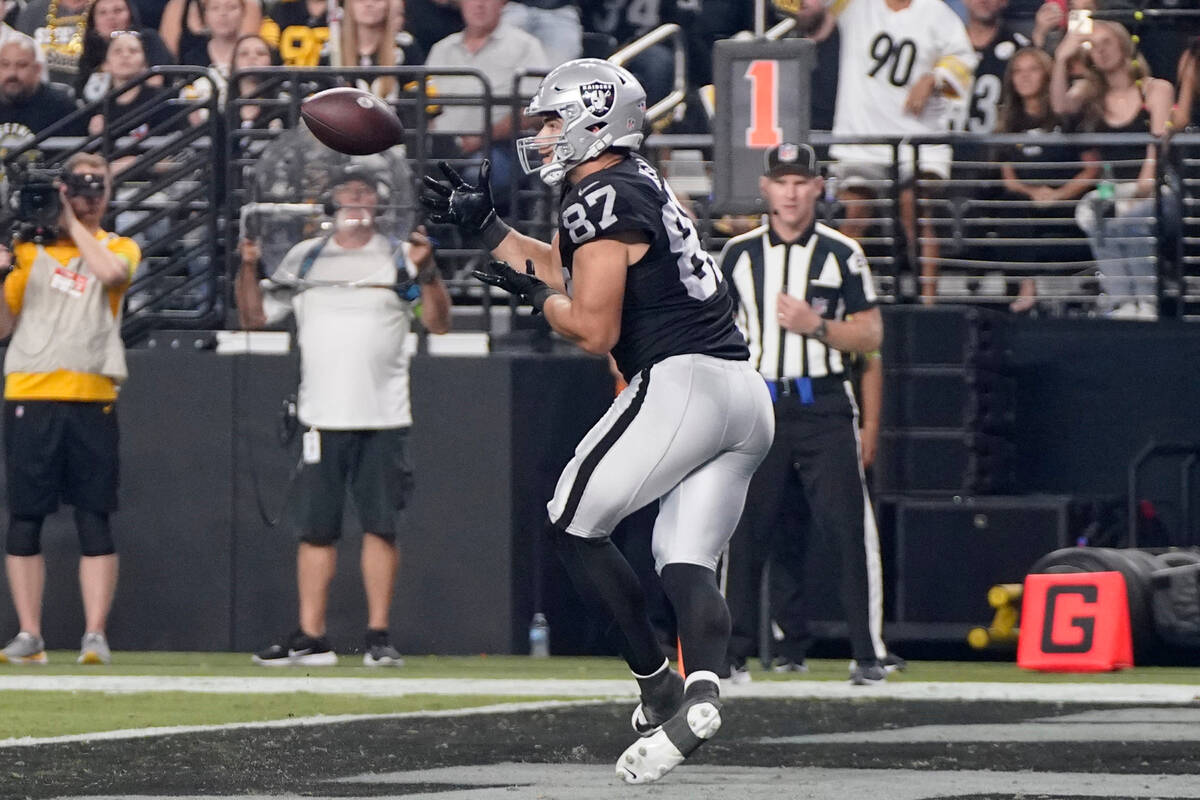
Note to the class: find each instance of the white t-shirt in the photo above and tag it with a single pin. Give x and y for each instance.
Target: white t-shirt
(353, 358)
(883, 53)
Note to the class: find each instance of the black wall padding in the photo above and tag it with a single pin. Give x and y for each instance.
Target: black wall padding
(200, 570)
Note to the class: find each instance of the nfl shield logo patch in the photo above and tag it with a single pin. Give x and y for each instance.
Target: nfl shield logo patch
(820, 305)
(598, 97)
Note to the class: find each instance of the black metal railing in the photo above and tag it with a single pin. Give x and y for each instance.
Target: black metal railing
(164, 192)
(182, 187)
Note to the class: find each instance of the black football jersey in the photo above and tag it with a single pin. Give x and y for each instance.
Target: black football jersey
(676, 301)
(989, 78)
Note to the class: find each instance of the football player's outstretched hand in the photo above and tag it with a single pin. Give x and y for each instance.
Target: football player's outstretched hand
(456, 202)
(528, 287)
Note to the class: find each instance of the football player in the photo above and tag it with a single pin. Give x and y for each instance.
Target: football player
(695, 420)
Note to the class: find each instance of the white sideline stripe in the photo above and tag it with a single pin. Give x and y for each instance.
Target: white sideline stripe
(1165, 694)
(293, 722)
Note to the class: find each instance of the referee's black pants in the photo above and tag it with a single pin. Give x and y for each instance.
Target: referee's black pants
(810, 485)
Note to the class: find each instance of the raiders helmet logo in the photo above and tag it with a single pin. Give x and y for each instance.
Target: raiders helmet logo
(598, 97)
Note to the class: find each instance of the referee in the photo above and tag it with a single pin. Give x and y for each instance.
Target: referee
(804, 295)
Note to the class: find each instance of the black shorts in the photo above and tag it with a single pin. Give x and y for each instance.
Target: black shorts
(373, 465)
(61, 451)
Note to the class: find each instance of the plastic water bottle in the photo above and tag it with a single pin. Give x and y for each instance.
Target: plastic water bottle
(1107, 186)
(539, 636)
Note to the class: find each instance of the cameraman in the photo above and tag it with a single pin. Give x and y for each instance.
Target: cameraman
(62, 305)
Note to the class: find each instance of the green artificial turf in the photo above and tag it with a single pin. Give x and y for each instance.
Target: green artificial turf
(41, 714)
(156, 664)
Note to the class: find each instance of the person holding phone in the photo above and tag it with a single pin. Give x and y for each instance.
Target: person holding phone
(1058, 17)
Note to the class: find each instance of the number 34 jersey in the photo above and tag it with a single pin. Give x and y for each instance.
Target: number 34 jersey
(883, 54)
(676, 301)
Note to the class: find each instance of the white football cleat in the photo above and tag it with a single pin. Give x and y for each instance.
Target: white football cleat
(653, 756)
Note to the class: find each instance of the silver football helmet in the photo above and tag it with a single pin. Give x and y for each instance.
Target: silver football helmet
(601, 106)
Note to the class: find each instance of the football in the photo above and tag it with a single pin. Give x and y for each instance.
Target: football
(352, 121)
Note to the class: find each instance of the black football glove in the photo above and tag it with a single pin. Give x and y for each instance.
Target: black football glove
(528, 287)
(469, 207)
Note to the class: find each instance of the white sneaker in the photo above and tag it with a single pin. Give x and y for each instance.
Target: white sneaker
(94, 650)
(1128, 310)
(24, 648)
(653, 756)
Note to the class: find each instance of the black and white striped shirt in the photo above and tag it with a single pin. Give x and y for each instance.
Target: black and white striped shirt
(823, 266)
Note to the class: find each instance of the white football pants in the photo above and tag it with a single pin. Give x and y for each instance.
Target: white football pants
(690, 430)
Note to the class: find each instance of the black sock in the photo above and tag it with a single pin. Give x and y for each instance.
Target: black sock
(701, 616)
(659, 687)
(610, 588)
(376, 636)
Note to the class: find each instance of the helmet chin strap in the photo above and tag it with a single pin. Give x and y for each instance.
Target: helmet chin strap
(553, 173)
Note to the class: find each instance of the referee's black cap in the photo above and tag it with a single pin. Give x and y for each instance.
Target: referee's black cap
(790, 158)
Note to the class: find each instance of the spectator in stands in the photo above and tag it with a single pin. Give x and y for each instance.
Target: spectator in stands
(124, 62)
(626, 21)
(30, 104)
(430, 21)
(901, 62)
(354, 403)
(62, 304)
(1039, 179)
(104, 18)
(409, 50)
(58, 27)
(1050, 22)
(995, 43)
(223, 23)
(299, 29)
(253, 52)
(149, 12)
(975, 179)
(498, 50)
(1117, 96)
(813, 23)
(183, 28)
(554, 23)
(369, 29)
(1186, 114)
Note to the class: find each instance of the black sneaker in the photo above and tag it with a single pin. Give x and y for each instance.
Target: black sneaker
(894, 663)
(301, 650)
(867, 673)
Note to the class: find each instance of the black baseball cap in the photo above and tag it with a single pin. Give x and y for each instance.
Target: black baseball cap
(790, 158)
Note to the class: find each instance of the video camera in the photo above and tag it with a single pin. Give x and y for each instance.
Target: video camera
(35, 203)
